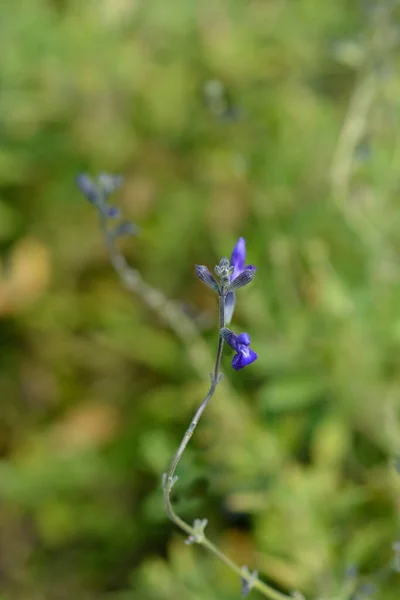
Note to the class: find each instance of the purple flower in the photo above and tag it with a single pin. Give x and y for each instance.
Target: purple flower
(238, 258)
(241, 343)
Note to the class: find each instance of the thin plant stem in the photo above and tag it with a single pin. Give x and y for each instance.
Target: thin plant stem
(215, 379)
(169, 479)
(170, 312)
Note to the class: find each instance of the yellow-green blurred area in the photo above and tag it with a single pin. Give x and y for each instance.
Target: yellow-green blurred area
(276, 120)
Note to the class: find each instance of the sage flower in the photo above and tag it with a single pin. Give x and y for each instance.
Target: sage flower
(241, 343)
(238, 258)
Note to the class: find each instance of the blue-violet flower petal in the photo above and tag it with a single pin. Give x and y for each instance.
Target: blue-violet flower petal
(241, 343)
(238, 257)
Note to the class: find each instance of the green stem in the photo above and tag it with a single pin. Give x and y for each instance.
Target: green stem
(215, 379)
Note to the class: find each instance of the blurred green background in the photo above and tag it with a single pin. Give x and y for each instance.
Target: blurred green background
(278, 120)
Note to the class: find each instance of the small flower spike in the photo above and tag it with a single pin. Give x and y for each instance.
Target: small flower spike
(241, 343)
(241, 275)
(98, 191)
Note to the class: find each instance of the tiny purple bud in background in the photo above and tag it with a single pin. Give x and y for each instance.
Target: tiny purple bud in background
(97, 193)
(87, 187)
(111, 211)
(124, 228)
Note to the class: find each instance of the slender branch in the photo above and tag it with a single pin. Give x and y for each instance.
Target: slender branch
(169, 311)
(215, 379)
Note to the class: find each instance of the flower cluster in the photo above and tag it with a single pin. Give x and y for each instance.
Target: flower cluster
(233, 275)
(97, 192)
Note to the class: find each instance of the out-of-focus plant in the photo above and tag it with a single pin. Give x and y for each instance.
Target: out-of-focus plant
(98, 192)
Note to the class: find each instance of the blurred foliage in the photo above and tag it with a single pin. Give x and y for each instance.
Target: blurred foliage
(278, 120)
